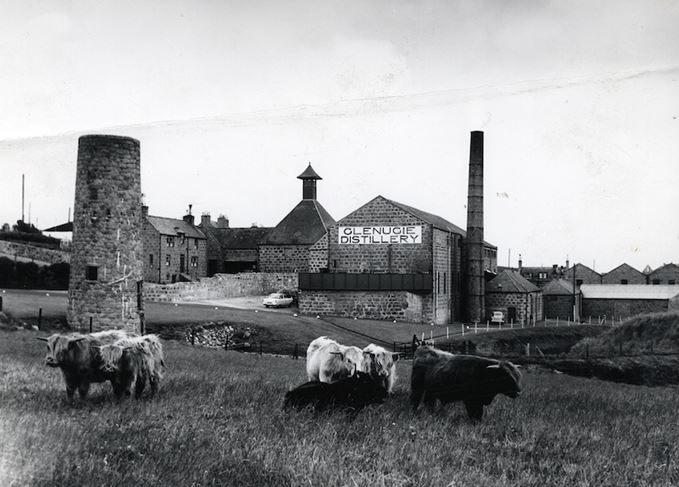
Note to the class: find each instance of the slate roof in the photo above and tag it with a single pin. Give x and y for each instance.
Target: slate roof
(434, 220)
(240, 238)
(626, 267)
(64, 227)
(558, 287)
(629, 291)
(304, 225)
(666, 266)
(174, 226)
(309, 173)
(510, 282)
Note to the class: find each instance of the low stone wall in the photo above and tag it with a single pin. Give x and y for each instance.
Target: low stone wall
(221, 286)
(377, 305)
(35, 253)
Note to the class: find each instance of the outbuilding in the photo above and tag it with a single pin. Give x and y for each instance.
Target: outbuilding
(625, 300)
(518, 299)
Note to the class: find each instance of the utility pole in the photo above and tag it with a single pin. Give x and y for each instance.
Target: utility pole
(23, 177)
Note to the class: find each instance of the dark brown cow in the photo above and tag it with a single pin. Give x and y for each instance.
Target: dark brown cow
(79, 359)
(133, 361)
(467, 378)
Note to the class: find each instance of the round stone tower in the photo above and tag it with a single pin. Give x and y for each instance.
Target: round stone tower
(106, 260)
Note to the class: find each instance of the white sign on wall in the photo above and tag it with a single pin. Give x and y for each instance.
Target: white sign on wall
(405, 234)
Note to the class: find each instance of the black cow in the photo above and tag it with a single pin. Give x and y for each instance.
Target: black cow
(352, 393)
(467, 378)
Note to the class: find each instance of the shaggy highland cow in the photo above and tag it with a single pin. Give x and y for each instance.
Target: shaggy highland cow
(353, 393)
(133, 361)
(79, 359)
(467, 378)
(328, 361)
(381, 365)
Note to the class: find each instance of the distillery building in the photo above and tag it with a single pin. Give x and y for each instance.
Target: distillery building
(388, 260)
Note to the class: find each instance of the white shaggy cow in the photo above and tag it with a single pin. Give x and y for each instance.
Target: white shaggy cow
(328, 361)
(133, 360)
(381, 365)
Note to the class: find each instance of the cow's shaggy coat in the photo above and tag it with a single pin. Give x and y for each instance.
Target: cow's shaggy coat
(381, 364)
(79, 359)
(133, 361)
(328, 361)
(473, 380)
(353, 393)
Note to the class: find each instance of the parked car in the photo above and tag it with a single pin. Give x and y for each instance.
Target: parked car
(498, 317)
(277, 300)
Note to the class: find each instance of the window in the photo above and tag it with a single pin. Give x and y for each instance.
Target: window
(170, 241)
(194, 261)
(195, 243)
(150, 259)
(168, 259)
(623, 281)
(444, 282)
(656, 281)
(542, 275)
(182, 238)
(438, 282)
(91, 272)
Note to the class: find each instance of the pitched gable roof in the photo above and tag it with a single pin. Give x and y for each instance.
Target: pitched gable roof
(626, 267)
(434, 220)
(64, 227)
(583, 266)
(675, 267)
(510, 282)
(558, 287)
(240, 238)
(304, 225)
(174, 226)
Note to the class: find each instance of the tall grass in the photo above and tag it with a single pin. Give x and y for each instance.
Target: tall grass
(218, 421)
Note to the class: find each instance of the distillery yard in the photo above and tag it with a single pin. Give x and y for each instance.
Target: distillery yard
(218, 420)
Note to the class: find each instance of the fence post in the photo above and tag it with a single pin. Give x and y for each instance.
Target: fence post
(462, 331)
(527, 349)
(557, 321)
(394, 347)
(568, 322)
(487, 325)
(476, 327)
(0, 303)
(90, 324)
(447, 329)
(590, 319)
(295, 354)
(39, 318)
(260, 348)
(431, 334)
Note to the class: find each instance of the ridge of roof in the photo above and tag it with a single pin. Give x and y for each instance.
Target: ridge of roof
(511, 282)
(434, 220)
(174, 226)
(307, 222)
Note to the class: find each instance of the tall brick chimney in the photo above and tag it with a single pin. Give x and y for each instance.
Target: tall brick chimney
(475, 280)
(205, 220)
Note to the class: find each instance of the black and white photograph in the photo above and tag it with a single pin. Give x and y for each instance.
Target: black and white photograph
(339, 243)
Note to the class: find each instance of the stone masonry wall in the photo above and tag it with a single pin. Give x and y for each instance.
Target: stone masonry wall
(626, 272)
(378, 305)
(41, 254)
(107, 252)
(284, 258)
(221, 286)
(398, 258)
(442, 295)
(528, 305)
(318, 255)
(621, 307)
(665, 275)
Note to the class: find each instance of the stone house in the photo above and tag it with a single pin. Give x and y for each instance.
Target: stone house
(174, 249)
(231, 250)
(288, 246)
(519, 299)
(387, 260)
(583, 275)
(667, 274)
(624, 274)
(557, 298)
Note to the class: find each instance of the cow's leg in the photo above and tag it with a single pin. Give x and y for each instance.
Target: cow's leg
(83, 389)
(474, 409)
(139, 385)
(154, 381)
(117, 387)
(415, 398)
(70, 390)
(430, 400)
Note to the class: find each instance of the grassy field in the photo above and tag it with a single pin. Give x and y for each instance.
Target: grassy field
(218, 421)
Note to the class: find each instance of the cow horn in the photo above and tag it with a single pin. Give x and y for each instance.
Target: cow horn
(494, 366)
(42, 339)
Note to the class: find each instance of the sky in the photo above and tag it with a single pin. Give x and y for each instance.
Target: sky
(578, 100)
